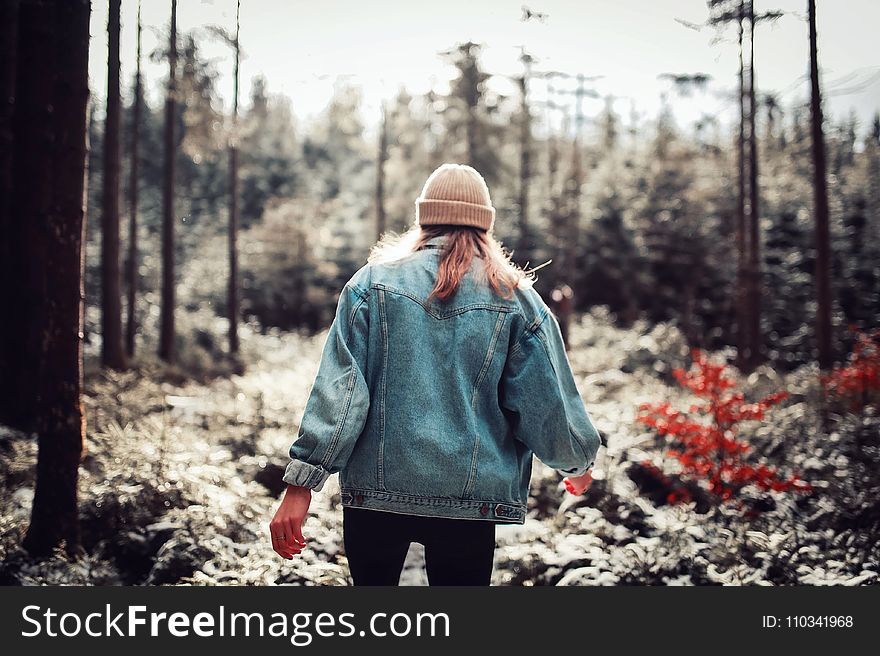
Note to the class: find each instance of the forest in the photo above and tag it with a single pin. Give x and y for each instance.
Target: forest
(170, 269)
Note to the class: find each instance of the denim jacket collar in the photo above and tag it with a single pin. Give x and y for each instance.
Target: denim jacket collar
(439, 240)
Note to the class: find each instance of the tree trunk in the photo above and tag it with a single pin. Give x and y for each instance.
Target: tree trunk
(166, 330)
(755, 350)
(820, 195)
(380, 173)
(131, 326)
(52, 101)
(232, 300)
(741, 295)
(112, 354)
(32, 131)
(8, 45)
(574, 184)
(525, 174)
(555, 216)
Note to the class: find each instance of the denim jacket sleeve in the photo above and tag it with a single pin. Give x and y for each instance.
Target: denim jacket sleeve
(336, 410)
(543, 402)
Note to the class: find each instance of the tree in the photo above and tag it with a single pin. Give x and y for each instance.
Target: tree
(112, 354)
(820, 200)
(233, 309)
(753, 267)
(722, 14)
(569, 224)
(132, 264)
(673, 228)
(409, 157)
(749, 275)
(335, 150)
(268, 151)
(202, 173)
(525, 245)
(381, 160)
(468, 114)
(166, 330)
(11, 389)
(612, 263)
(50, 169)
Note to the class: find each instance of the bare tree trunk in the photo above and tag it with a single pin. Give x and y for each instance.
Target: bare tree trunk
(53, 100)
(232, 301)
(574, 184)
(435, 149)
(555, 216)
(755, 350)
(552, 162)
(525, 174)
(32, 131)
(8, 47)
(131, 325)
(741, 294)
(380, 173)
(166, 331)
(820, 196)
(112, 354)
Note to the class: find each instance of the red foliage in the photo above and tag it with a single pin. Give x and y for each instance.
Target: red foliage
(710, 451)
(860, 377)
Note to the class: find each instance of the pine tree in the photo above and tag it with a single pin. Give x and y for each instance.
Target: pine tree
(134, 155)
(820, 190)
(50, 171)
(112, 353)
(167, 333)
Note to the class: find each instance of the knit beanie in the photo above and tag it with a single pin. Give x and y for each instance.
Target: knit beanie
(455, 194)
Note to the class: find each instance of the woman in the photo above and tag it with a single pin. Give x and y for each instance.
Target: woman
(443, 372)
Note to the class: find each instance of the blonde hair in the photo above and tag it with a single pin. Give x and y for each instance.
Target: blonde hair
(462, 243)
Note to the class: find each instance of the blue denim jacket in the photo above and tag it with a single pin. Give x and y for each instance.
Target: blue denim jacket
(435, 408)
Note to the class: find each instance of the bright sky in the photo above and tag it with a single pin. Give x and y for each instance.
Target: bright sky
(303, 47)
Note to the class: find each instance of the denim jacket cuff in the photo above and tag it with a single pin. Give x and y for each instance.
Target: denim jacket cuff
(303, 474)
(574, 473)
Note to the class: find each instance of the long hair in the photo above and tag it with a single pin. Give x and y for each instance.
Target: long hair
(461, 245)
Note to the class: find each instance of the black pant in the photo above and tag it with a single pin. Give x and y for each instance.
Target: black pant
(457, 551)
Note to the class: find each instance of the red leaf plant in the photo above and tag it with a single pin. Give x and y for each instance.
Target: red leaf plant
(860, 376)
(704, 438)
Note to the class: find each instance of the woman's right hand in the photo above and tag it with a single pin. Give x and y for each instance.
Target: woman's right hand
(577, 485)
(285, 529)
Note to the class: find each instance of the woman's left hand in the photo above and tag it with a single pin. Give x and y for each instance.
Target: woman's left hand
(285, 529)
(577, 485)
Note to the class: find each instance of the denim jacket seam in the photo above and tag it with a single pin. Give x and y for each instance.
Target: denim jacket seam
(410, 495)
(358, 290)
(450, 314)
(490, 355)
(340, 424)
(362, 298)
(581, 440)
(327, 459)
(383, 325)
(532, 326)
(493, 343)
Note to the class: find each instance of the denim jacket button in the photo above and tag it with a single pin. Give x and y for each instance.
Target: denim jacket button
(484, 509)
(359, 498)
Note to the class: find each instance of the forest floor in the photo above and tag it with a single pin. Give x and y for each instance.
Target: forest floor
(180, 479)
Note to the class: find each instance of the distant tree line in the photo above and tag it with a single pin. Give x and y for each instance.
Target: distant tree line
(767, 238)
(650, 218)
